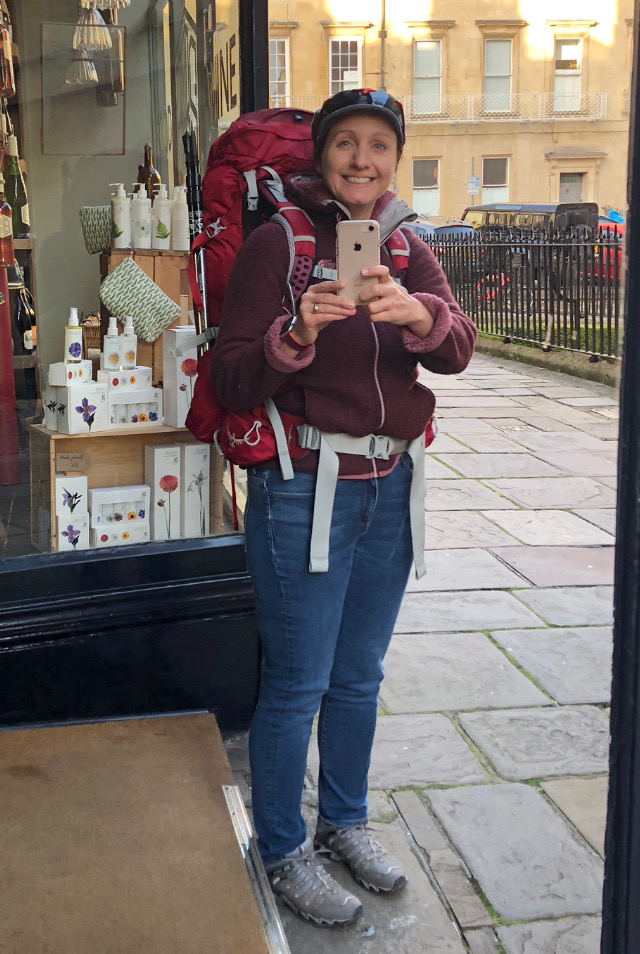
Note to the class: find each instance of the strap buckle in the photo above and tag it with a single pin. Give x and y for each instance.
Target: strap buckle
(379, 447)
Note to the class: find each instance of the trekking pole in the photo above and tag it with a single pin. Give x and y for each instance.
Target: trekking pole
(194, 204)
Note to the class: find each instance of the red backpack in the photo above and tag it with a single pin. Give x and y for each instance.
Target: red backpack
(248, 162)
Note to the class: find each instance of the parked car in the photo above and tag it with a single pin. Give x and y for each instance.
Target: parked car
(426, 225)
(611, 230)
(532, 215)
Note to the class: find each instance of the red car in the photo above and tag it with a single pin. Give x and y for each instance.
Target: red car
(613, 231)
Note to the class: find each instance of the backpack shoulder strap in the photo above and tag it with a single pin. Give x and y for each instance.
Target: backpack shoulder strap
(301, 238)
(398, 248)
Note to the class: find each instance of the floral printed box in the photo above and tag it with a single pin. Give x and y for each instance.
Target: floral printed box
(194, 496)
(125, 380)
(82, 409)
(179, 369)
(162, 473)
(113, 507)
(73, 532)
(137, 406)
(50, 408)
(64, 373)
(120, 537)
(71, 496)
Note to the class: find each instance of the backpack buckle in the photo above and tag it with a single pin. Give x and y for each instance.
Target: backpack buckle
(379, 447)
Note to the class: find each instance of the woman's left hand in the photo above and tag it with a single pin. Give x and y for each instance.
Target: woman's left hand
(389, 301)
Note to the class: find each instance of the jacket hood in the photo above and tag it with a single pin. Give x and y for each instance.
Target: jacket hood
(311, 194)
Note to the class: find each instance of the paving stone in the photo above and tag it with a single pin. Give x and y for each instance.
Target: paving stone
(481, 942)
(463, 611)
(561, 441)
(487, 444)
(584, 802)
(463, 425)
(570, 936)
(538, 422)
(463, 495)
(523, 855)
(559, 566)
(603, 517)
(420, 822)
(559, 392)
(591, 401)
(471, 569)
(572, 665)
(548, 527)
(571, 605)
(474, 400)
(585, 463)
(611, 481)
(500, 465)
(381, 808)
(445, 445)
(532, 743)
(561, 492)
(461, 528)
(475, 412)
(435, 470)
(605, 431)
(511, 392)
(400, 923)
(438, 672)
(421, 750)
(458, 890)
(612, 414)
(513, 425)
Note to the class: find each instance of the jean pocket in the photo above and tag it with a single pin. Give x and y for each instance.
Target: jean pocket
(300, 486)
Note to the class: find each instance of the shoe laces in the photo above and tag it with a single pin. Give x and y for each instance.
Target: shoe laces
(359, 843)
(306, 875)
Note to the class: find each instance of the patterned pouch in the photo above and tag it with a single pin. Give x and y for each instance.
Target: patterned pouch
(128, 291)
(96, 227)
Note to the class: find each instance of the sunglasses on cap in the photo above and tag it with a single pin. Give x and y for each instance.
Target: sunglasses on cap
(350, 100)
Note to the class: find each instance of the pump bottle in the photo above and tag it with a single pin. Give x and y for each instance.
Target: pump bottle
(141, 218)
(180, 220)
(73, 339)
(161, 220)
(128, 344)
(120, 217)
(110, 357)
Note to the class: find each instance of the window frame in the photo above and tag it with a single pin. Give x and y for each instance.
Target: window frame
(505, 185)
(287, 69)
(439, 75)
(349, 38)
(429, 189)
(485, 75)
(574, 73)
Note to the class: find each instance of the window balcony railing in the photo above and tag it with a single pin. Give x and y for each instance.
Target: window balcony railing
(504, 107)
(297, 102)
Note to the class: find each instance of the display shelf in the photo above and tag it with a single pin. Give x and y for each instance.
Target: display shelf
(113, 458)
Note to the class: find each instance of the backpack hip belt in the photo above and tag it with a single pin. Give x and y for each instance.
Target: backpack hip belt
(372, 446)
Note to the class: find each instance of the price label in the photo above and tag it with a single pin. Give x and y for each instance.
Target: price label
(473, 185)
(72, 463)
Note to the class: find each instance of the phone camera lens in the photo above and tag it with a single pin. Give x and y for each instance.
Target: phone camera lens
(371, 228)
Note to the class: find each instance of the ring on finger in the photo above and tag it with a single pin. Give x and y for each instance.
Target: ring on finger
(315, 309)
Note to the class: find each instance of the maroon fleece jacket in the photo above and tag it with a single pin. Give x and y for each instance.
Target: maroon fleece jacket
(358, 377)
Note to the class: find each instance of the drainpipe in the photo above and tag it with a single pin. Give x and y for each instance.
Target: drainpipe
(383, 36)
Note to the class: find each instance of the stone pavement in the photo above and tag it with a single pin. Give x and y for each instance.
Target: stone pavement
(488, 776)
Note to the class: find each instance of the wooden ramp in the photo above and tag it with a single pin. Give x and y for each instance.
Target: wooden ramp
(116, 838)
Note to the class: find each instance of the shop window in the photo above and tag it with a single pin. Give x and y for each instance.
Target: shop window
(567, 75)
(498, 54)
(279, 71)
(426, 186)
(495, 179)
(427, 76)
(345, 69)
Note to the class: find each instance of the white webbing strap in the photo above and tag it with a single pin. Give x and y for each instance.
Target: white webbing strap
(252, 189)
(282, 447)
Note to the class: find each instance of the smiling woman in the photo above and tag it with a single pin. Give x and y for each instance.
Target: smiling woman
(330, 557)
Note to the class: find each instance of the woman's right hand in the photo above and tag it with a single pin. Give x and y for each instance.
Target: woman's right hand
(319, 306)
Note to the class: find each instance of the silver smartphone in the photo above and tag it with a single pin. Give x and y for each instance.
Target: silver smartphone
(358, 247)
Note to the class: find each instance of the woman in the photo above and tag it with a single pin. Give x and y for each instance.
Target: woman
(346, 370)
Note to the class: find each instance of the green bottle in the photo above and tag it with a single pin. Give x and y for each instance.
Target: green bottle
(15, 191)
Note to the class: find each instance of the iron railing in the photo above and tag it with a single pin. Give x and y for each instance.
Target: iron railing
(504, 107)
(560, 291)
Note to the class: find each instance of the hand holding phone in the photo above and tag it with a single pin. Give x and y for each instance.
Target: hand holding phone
(358, 247)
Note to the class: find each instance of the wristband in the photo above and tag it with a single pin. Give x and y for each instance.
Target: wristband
(288, 339)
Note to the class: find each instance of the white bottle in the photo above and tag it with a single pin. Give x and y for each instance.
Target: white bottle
(110, 357)
(73, 339)
(180, 220)
(128, 345)
(120, 217)
(141, 218)
(161, 220)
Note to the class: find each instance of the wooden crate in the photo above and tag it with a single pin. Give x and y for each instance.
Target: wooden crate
(169, 270)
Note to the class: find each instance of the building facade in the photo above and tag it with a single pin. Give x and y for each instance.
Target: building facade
(518, 101)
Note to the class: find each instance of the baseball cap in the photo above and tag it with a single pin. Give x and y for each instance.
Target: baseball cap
(356, 100)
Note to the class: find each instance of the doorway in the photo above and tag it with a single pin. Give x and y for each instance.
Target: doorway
(570, 187)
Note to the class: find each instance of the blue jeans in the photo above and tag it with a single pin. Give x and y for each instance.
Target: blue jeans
(324, 636)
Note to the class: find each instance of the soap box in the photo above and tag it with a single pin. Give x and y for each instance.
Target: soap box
(118, 537)
(162, 473)
(115, 506)
(194, 497)
(178, 373)
(126, 380)
(71, 496)
(62, 374)
(73, 532)
(134, 406)
(82, 409)
(50, 408)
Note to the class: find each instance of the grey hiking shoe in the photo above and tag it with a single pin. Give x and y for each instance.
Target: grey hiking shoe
(303, 884)
(370, 865)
